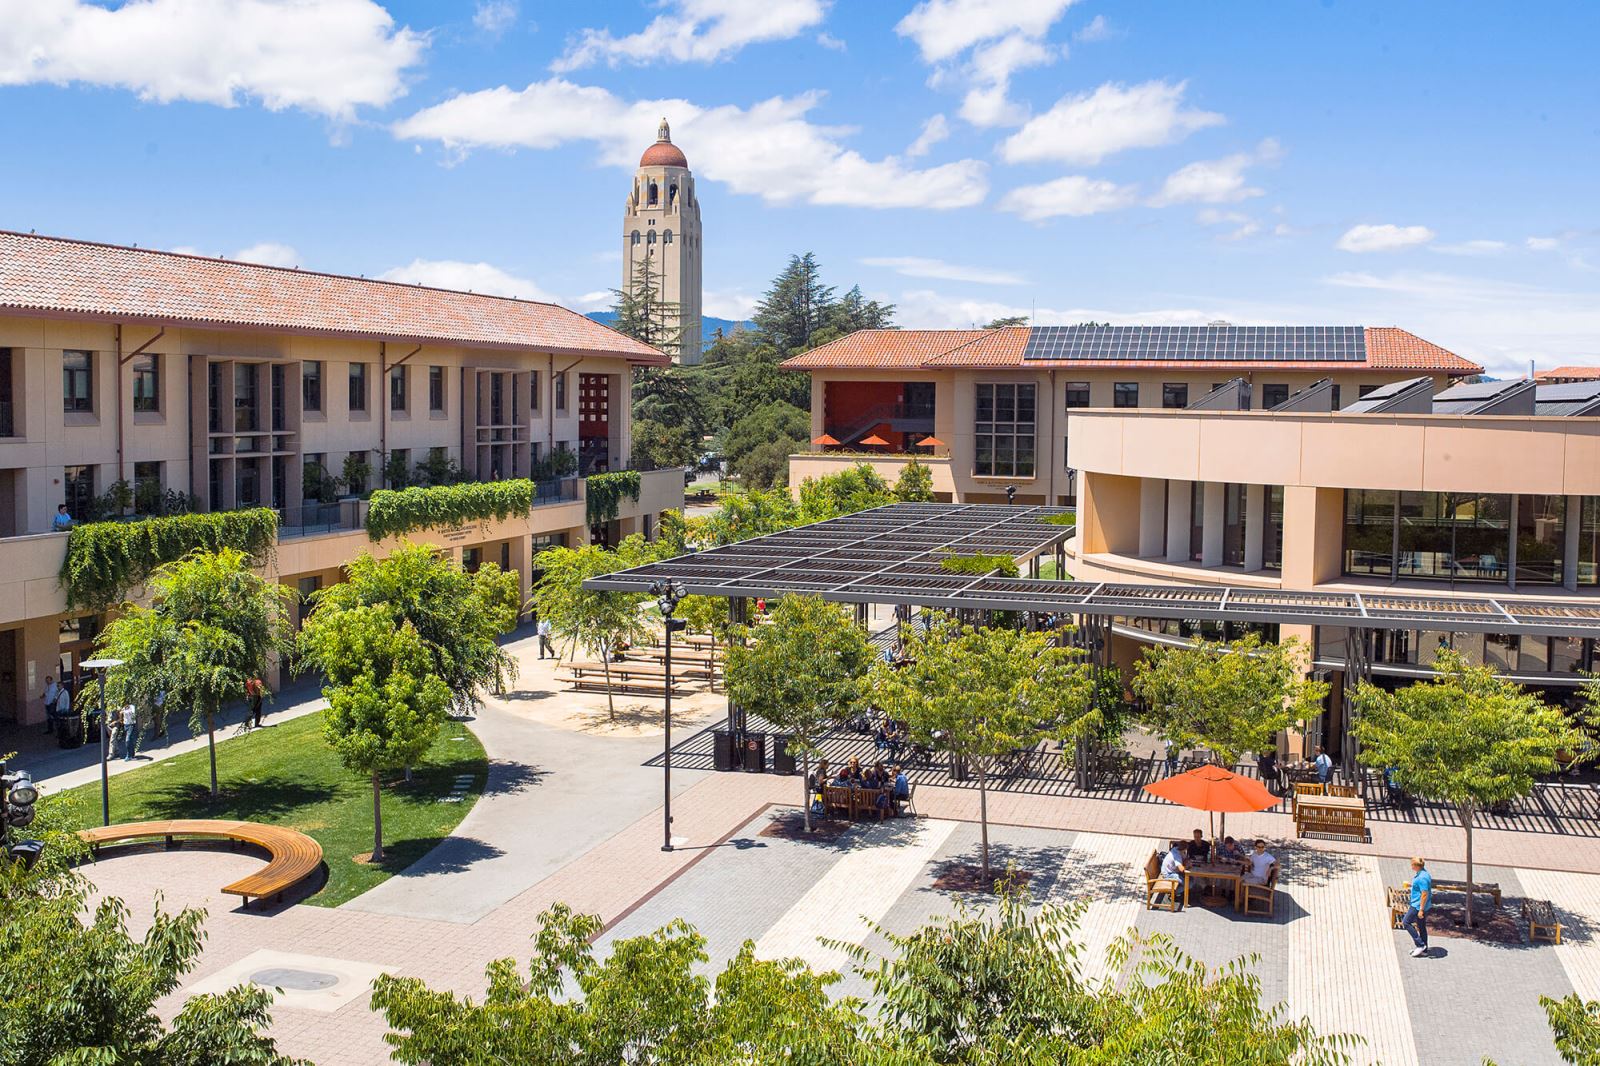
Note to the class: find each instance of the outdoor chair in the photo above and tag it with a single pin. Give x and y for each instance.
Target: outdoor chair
(1260, 895)
(1347, 791)
(1155, 885)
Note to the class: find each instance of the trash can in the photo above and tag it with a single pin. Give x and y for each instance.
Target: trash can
(722, 749)
(782, 761)
(755, 753)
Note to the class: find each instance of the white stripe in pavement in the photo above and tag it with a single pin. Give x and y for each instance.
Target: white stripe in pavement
(1344, 961)
(1578, 895)
(864, 883)
(1107, 871)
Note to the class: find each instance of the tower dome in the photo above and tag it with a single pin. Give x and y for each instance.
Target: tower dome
(664, 153)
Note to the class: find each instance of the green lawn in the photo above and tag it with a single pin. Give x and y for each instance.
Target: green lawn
(286, 775)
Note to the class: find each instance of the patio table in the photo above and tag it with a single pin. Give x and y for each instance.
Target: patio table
(1230, 872)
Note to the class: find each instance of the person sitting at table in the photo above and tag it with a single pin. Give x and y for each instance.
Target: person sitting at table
(1230, 851)
(880, 735)
(1260, 863)
(1199, 850)
(852, 772)
(1172, 867)
(818, 778)
(902, 790)
(1267, 767)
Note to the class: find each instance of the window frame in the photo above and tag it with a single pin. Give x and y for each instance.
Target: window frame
(1170, 389)
(1006, 443)
(1120, 390)
(76, 380)
(399, 390)
(357, 378)
(147, 370)
(436, 390)
(1075, 387)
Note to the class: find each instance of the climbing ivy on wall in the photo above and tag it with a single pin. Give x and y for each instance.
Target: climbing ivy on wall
(605, 492)
(393, 512)
(106, 559)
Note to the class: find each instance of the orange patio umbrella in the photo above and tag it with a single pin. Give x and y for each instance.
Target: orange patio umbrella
(825, 440)
(930, 442)
(875, 440)
(1214, 789)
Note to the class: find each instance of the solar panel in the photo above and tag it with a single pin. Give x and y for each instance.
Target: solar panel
(1275, 344)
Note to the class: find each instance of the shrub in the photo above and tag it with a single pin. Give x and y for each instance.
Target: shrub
(106, 559)
(394, 512)
(605, 492)
(979, 564)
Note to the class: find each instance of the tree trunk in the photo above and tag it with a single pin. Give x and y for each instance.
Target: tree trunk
(805, 784)
(611, 702)
(983, 815)
(711, 670)
(211, 743)
(377, 819)
(1466, 823)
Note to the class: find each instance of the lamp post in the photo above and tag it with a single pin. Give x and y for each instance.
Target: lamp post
(103, 665)
(667, 593)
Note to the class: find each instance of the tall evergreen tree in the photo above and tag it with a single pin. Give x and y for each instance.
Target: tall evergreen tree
(797, 306)
(643, 313)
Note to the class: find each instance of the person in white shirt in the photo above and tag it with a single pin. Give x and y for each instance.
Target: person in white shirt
(51, 694)
(1172, 867)
(1260, 863)
(543, 629)
(130, 732)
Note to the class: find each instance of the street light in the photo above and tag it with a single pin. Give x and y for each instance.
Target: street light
(17, 797)
(103, 665)
(667, 593)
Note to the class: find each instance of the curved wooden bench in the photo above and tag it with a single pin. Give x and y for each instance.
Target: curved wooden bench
(294, 856)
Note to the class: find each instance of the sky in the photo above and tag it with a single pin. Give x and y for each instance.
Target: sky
(1426, 165)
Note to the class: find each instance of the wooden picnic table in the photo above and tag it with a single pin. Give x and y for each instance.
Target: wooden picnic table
(1334, 815)
(1230, 872)
(628, 669)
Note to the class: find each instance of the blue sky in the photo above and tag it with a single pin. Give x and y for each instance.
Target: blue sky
(1428, 165)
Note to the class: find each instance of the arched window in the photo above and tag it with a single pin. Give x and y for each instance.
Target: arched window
(672, 193)
(650, 238)
(654, 194)
(635, 236)
(666, 238)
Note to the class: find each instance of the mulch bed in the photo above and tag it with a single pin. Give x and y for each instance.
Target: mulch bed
(964, 878)
(1494, 926)
(792, 826)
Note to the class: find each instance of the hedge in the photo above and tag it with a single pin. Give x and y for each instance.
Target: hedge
(106, 559)
(605, 492)
(979, 564)
(391, 512)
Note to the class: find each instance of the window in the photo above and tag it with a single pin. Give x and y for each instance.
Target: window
(397, 388)
(1336, 403)
(147, 383)
(650, 237)
(246, 410)
(1125, 394)
(497, 399)
(561, 391)
(77, 489)
(436, 388)
(1273, 395)
(1077, 394)
(666, 238)
(77, 381)
(1173, 394)
(311, 385)
(1234, 518)
(248, 489)
(1588, 519)
(358, 386)
(533, 389)
(1369, 531)
(1272, 529)
(214, 398)
(1541, 539)
(1461, 536)
(1005, 431)
(1364, 390)
(635, 236)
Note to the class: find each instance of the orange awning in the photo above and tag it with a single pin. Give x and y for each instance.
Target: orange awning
(930, 442)
(875, 440)
(825, 439)
(1212, 788)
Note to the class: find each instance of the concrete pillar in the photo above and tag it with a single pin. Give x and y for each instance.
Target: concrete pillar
(1569, 554)
(1213, 506)
(1255, 512)
(1180, 504)
(522, 563)
(1152, 515)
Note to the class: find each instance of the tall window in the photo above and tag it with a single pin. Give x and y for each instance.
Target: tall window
(279, 401)
(77, 490)
(1077, 394)
(1541, 539)
(1005, 431)
(1125, 394)
(533, 390)
(1273, 395)
(397, 388)
(214, 399)
(497, 399)
(147, 383)
(1369, 531)
(1234, 518)
(1173, 394)
(561, 391)
(77, 381)
(246, 408)
(1588, 519)
(358, 386)
(311, 385)
(1272, 529)
(1461, 536)
(436, 388)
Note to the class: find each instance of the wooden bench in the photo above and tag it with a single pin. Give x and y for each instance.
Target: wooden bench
(292, 856)
(637, 686)
(1485, 888)
(853, 801)
(1540, 914)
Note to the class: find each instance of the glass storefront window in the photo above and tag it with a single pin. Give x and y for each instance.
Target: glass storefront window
(1500, 652)
(1233, 525)
(1368, 531)
(1541, 538)
(1588, 520)
(1459, 536)
(1272, 531)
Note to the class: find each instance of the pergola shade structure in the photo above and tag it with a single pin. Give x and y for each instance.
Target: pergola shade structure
(892, 555)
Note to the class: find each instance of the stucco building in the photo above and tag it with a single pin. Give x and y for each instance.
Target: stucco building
(661, 234)
(229, 381)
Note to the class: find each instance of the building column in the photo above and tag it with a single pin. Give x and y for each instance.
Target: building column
(1213, 515)
(522, 563)
(1573, 530)
(1152, 508)
(1255, 526)
(1180, 504)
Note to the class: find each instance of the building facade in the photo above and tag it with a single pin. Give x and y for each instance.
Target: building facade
(661, 236)
(996, 402)
(127, 375)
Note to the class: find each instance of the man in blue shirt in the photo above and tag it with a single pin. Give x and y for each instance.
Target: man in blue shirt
(1324, 766)
(1416, 920)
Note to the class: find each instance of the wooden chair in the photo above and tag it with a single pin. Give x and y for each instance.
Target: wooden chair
(1155, 885)
(1258, 894)
(1540, 914)
(1399, 902)
(1304, 788)
(1347, 791)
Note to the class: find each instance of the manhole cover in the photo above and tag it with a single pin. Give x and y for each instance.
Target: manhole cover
(296, 980)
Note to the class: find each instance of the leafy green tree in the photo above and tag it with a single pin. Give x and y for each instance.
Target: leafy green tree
(1575, 1022)
(796, 306)
(854, 311)
(215, 624)
(657, 445)
(801, 672)
(981, 693)
(915, 484)
(853, 489)
(749, 514)
(709, 615)
(385, 704)
(766, 466)
(644, 314)
(1008, 320)
(776, 425)
(675, 395)
(1229, 696)
(599, 621)
(355, 474)
(1465, 737)
(396, 471)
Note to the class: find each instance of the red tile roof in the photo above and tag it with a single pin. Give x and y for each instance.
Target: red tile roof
(1388, 348)
(81, 279)
(1569, 373)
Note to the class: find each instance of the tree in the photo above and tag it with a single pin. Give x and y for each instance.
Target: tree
(915, 484)
(980, 693)
(777, 425)
(385, 704)
(856, 488)
(766, 466)
(853, 311)
(1228, 696)
(657, 446)
(459, 616)
(1008, 320)
(599, 621)
(796, 306)
(1575, 1022)
(750, 514)
(801, 672)
(644, 314)
(215, 624)
(709, 615)
(1464, 737)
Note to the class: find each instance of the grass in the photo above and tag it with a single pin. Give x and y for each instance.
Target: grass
(287, 775)
(1048, 571)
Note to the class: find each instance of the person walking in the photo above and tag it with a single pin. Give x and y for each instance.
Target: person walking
(1324, 766)
(52, 693)
(130, 732)
(544, 630)
(256, 691)
(1416, 920)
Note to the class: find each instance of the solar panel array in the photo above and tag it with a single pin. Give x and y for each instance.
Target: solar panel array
(893, 554)
(1267, 344)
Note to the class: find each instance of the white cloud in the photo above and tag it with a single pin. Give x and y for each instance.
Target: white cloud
(1479, 247)
(466, 277)
(1087, 127)
(769, 149)
(926, 309)
(1073, 195)
(495, 16)
(328, 58)
(934, 130)
(988, 102)
(695, 31)
(598, 300)
(1384, 238)
(1543, 244)
(912, 266)
(1215, 181)
(1098, 29)
(268, 253)
(728, 303)
(828, 40)
(944, 28)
